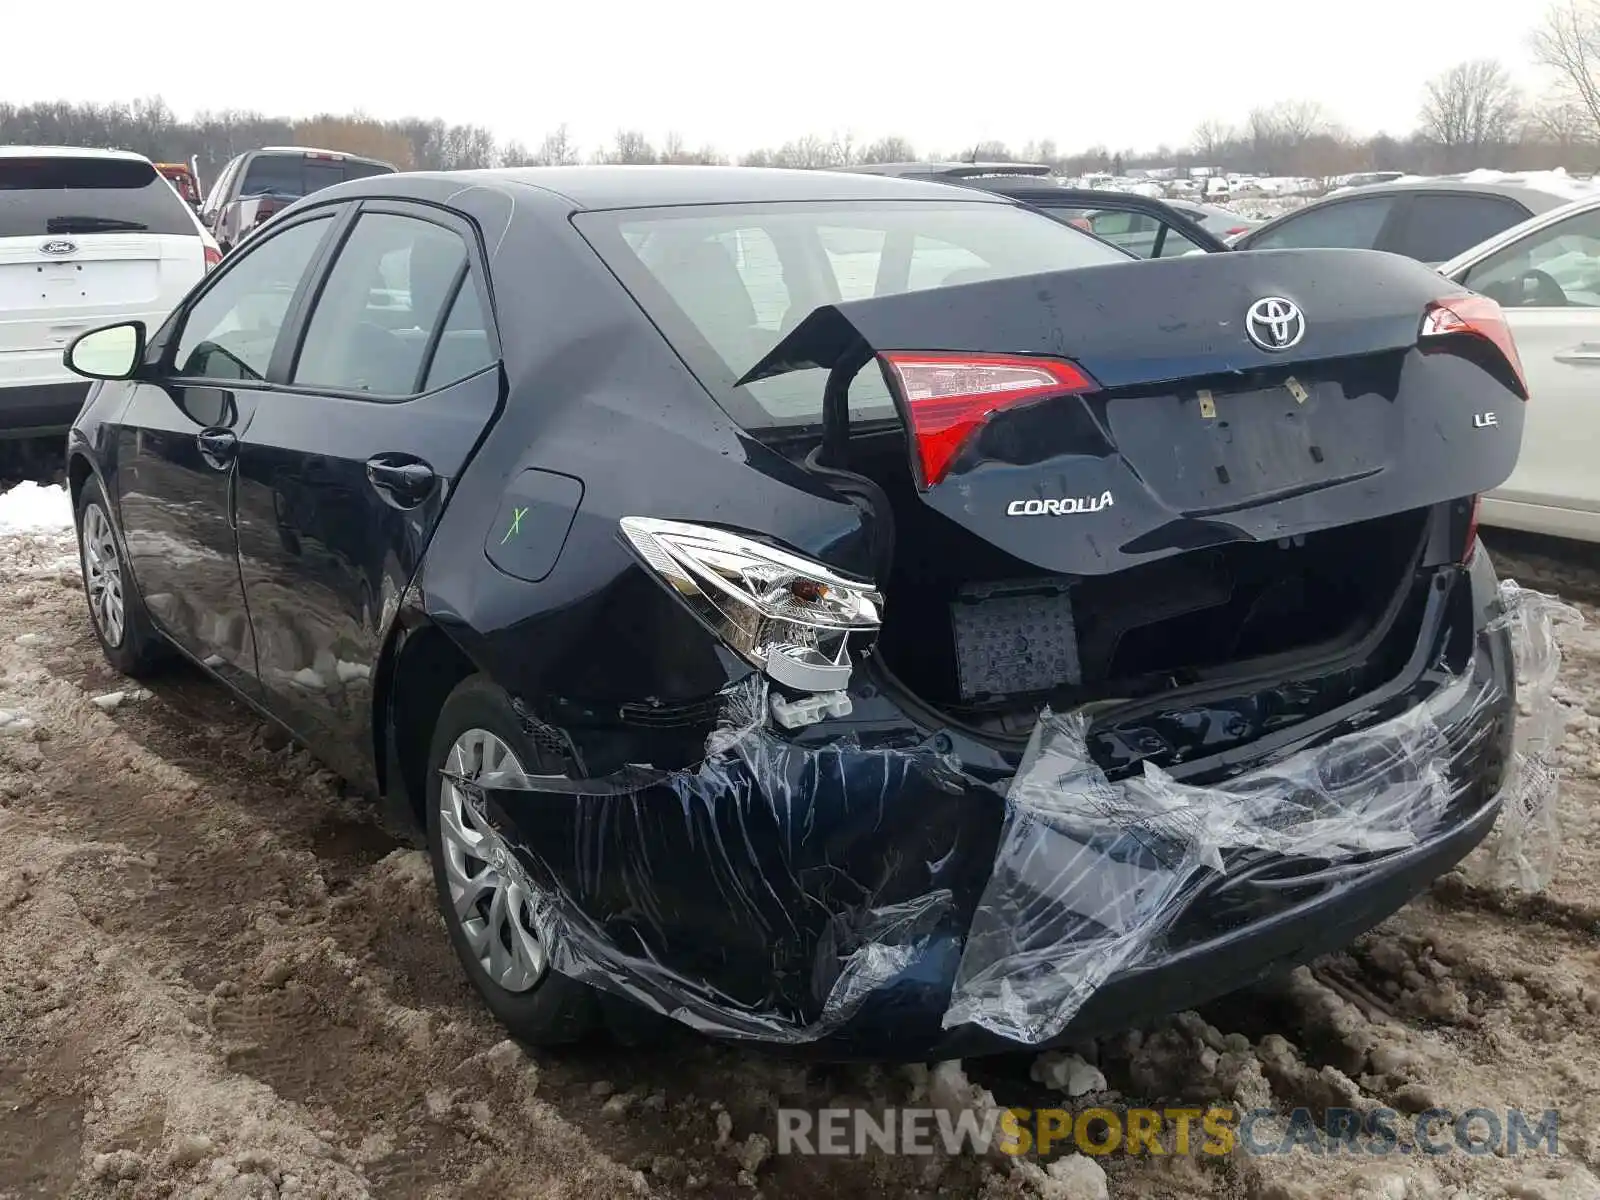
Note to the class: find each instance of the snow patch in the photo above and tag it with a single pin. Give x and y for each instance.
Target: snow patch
(30, 507)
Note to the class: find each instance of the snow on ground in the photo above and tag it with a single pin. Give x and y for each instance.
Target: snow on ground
(220, 978)
(31, 507)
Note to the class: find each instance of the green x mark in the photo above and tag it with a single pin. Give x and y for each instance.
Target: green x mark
(516, 524)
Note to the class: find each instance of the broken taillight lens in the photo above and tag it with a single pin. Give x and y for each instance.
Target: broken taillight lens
(1476, 316)
(948, 396)
(785, 614)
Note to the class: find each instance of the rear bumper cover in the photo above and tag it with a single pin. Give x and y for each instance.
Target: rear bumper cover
(859, 900)
(40, 409)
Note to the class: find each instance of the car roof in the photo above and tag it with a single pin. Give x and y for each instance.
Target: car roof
(70, 152)
(315, 150)
(605, 187)
(1535, 199)
(955, 169)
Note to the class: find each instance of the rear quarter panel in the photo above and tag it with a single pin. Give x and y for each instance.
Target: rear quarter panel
(597, 395)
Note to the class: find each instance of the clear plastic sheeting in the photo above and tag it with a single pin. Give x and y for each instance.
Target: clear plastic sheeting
(826, 924)
(1523, 854)
(774, 891)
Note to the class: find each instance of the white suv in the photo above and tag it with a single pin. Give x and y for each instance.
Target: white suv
(87, 237)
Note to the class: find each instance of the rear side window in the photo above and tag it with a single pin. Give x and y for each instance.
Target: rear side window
(383, 299)
(58, 195)
(464, 348)
(1440, 227)
(1345, 225)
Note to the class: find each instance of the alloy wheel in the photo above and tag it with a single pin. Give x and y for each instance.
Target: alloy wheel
(102, 574)
(494, 910)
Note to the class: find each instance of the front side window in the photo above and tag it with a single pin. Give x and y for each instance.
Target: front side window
(1555, 267)
(384, 297)
(717, 300)
(1343, 224)
(231, 330)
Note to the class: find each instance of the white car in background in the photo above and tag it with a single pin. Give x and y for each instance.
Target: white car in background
(87, 238)
(1545, 274)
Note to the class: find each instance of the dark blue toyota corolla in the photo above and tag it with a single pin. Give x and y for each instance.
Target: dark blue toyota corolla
(826, 610)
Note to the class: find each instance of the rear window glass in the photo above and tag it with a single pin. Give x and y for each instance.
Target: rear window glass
(726, 282)
(295, 175)
(56, 195)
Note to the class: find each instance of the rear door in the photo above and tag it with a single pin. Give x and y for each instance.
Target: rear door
(1548, 282)
(84, 242)
(348, 462)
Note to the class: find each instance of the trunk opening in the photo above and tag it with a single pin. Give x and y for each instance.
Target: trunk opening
(986, 640)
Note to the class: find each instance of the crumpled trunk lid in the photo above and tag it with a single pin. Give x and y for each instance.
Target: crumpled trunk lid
(1253, 396)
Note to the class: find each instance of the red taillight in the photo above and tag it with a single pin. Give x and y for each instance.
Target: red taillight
(1475, 316)
(1237, 230)
(947, 396)
(213, 257)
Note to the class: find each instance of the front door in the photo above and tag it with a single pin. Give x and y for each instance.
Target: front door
(1548, 283)
(176, 443)
(346, 467)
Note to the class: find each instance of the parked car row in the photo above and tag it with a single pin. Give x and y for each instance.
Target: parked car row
(88, 236)
(1535, 251)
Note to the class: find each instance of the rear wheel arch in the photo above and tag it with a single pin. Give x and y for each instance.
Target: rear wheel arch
(420, 668)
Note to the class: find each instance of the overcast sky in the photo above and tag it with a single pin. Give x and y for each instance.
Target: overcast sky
(759, 72)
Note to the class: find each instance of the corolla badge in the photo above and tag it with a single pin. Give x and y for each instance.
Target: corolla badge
(59, 247)
(1274, 323)
(1059, 508)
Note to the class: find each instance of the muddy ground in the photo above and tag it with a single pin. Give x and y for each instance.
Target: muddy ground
(220, 978)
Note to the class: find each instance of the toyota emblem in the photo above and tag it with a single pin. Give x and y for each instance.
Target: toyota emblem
(1274, 323)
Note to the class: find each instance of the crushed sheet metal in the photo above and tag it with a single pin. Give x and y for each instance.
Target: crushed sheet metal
(1062, 880)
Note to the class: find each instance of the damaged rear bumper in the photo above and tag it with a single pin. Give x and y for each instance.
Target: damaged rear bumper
(856, 900)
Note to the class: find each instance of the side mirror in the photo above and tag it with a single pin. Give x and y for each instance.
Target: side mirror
(110, 352)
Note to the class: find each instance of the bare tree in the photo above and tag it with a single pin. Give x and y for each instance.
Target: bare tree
(630, 146)
(1277, 134)
(517, 154)
(674, 150)
(1211, 138)
(888, 150)
(557, 149)
(1469, 109)
(991, 151)
(1568, 44)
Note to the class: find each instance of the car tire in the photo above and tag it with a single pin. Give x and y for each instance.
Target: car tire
(554, 1010)
(122, 625)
